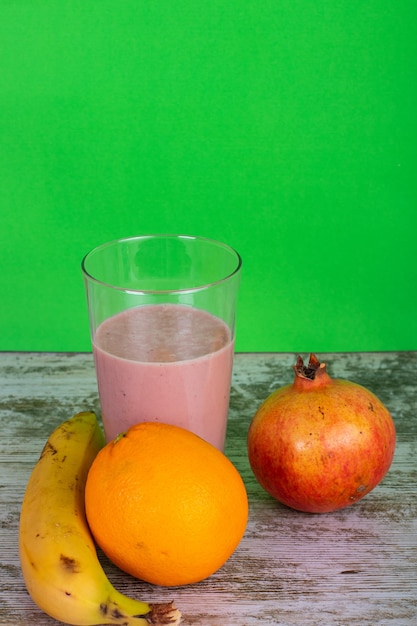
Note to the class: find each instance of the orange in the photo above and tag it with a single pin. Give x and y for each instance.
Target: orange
(164, 505)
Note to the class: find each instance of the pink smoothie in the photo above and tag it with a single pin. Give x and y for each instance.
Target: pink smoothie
(168, 363)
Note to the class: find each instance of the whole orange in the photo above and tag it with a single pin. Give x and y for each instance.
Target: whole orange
(164, 505)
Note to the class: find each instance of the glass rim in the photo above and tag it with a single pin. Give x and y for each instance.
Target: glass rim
(133, 238)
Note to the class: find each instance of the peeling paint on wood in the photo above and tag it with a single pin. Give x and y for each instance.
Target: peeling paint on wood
(353, 567)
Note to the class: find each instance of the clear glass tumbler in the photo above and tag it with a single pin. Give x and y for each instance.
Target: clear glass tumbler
(162, 321)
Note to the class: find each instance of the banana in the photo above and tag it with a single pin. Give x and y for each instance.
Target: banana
(57, 552)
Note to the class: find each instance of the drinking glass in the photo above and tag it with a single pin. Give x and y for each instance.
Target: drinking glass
(162, 321)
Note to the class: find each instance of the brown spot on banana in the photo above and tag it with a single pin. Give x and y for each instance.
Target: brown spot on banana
(48, 449)
(69, 564)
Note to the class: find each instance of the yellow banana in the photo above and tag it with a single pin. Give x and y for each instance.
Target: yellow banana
(58, 556)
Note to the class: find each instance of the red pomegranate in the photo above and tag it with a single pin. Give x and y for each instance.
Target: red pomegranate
(320, 444)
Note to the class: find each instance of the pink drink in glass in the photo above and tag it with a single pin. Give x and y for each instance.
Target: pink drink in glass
(165, 362)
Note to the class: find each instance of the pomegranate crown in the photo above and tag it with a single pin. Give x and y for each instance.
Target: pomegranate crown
(313, 372)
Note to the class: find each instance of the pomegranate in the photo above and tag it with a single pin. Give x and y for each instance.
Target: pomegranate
(320, 444)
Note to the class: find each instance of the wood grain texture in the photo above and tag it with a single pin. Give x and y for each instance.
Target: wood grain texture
(357, 566)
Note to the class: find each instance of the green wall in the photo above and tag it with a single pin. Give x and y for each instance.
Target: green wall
(286, 128)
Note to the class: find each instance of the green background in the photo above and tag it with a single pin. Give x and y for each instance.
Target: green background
(285, 128)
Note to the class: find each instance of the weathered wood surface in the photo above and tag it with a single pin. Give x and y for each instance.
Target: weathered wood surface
(353, 567)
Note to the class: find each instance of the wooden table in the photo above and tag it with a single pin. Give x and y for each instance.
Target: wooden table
(357, 566)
